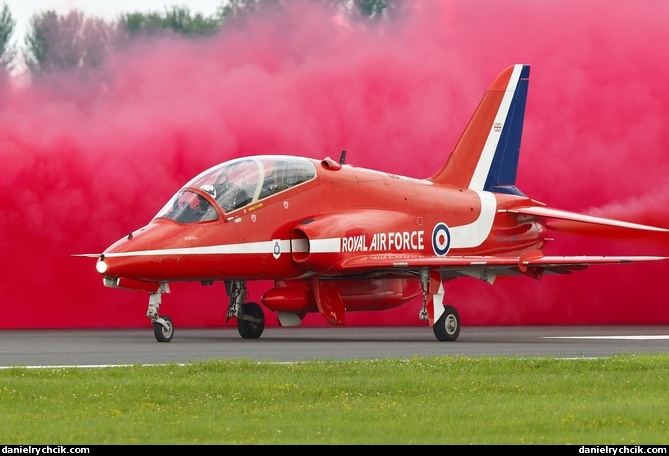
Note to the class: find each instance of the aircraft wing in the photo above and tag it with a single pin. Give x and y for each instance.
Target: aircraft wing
(532, 263)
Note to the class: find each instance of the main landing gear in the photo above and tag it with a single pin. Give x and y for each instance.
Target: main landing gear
(447, 327)
(250, 316)
(446, 318)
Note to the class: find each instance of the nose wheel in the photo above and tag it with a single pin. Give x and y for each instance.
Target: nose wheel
(163, 329)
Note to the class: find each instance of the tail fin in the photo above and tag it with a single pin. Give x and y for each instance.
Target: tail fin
(486, 155)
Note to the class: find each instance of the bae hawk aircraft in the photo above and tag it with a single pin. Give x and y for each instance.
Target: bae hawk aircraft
(335, 238)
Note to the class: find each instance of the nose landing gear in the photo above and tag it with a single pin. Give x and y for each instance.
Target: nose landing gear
(163, 329)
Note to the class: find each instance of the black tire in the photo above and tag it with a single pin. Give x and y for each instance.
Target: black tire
(251, 329)
(447, 328)
(162, 333)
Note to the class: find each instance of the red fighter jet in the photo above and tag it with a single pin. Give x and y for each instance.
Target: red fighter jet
(335, 238)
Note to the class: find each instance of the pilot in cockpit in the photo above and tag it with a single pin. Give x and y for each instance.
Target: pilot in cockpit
(287, 178)
(210, 189)
(269, 186)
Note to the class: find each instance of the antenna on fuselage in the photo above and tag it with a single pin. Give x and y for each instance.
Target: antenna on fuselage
(342, 157)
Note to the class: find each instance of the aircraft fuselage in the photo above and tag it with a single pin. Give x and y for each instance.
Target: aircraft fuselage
(341, 213)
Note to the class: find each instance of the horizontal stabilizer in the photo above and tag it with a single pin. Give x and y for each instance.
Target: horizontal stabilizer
(585, 260)
(580, 218)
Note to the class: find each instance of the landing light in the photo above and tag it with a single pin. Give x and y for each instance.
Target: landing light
(101, 266)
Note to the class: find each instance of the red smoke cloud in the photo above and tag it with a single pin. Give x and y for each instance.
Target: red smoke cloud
(82, 167)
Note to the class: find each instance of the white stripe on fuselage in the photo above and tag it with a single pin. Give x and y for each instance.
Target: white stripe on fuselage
(463, 236)
(473, 234)
(328, 245)
(224, 249)
(488, 153)
(653, 337)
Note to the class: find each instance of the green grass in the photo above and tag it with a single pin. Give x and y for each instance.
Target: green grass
(620, 400)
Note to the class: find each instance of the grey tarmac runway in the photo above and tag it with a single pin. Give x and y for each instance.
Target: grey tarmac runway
(110, 347)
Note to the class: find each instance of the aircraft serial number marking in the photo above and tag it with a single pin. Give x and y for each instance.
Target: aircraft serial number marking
(398, 240)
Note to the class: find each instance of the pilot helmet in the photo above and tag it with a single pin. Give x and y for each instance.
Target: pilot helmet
(209, 189)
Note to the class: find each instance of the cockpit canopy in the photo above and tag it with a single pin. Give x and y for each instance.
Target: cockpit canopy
(235, 184)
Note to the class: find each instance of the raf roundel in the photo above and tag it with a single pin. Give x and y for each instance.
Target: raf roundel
(441, 239)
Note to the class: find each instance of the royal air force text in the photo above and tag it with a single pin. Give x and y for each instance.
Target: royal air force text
(398, 240)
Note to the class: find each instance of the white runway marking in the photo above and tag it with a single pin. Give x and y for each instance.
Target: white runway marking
(610, 337)
(85, 366)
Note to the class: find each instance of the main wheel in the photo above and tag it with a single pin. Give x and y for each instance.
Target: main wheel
(251, 329)
(162, 333)
(447, 328)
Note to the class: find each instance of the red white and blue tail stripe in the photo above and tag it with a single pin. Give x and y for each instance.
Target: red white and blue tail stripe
(486, 155)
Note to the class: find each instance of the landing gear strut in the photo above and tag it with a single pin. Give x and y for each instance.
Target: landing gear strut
(163, 329)
(250, 316)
